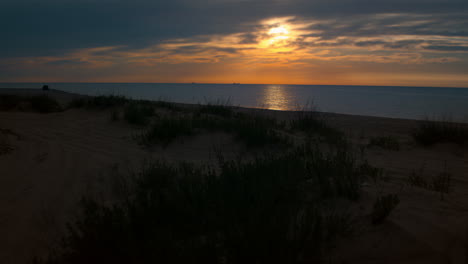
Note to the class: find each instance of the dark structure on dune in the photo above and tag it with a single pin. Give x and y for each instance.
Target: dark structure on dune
(45, 88)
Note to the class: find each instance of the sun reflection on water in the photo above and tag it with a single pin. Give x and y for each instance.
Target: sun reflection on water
(276, 97)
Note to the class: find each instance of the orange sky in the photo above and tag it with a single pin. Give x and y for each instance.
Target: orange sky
(282, 50)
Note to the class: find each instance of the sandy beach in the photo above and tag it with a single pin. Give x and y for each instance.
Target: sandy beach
(49, 161)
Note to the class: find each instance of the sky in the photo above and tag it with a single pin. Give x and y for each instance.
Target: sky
(341, 42)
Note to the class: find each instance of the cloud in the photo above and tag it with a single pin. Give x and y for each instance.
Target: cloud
(108, 34)
(448, 48)
(50, 27)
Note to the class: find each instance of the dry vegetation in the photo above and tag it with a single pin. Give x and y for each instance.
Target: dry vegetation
(290, 199)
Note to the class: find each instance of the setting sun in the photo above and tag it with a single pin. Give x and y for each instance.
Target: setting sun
(281, 30)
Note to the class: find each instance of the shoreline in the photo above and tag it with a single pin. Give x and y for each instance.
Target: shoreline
(65, 97)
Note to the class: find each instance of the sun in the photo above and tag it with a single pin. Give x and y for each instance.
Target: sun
(277, 34)
(280, 30)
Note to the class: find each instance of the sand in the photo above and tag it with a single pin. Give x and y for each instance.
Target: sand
(51, 160)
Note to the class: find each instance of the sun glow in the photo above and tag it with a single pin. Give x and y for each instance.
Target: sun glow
(281, 30)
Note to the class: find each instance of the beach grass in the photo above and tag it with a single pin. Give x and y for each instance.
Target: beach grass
(37, 103)
(10, 102)
(219, 108)
(106, 101)
(276, 208)
(440, 183)
(44, 104)
(138, 113)
(253, 131)
(430, 132)
(313, 123)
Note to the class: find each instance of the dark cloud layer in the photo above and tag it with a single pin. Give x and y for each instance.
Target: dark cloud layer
(39, 28)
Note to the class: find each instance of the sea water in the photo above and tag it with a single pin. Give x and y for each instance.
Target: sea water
(383, 101)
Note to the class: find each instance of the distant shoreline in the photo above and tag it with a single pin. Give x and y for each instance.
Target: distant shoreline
(200, 83)
(65, 97)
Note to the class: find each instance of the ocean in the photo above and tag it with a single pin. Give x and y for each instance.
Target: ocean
(382, 101)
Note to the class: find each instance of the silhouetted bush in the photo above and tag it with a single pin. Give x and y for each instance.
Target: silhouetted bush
(40, 103)
(440, 183)
(257, 131)
(107, 101)
(166, 130)
(273, 209)
(138, 113)
(431, 132)
(10, 102)
(253, 131)
(219, 108)
(313, 123)
(167, 105)
(45, 104)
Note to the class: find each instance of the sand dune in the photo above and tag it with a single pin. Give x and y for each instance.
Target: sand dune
(54, 159)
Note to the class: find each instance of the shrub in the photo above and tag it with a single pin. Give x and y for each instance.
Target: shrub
(165, 130)
(388, 142)
(40, 103)
(44, 104)
(9, 102)
(138, 113)
(383, 206)
(219, 108)
(431, 132)
(257, 211)
(312, 123)
(167, 105)
(417, 179)
(440, 183)
(256, 131)
(253, 131)
(107, 101)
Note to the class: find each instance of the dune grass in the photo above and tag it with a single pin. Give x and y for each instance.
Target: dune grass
(38, 103)
(10, 102)
(44, 104)
(173, 107)
(314, 124)
(138, 113)
(253, 131)
(440, 183)
(99, 102)
(165, 131)
(106, 101)
(430, 132)
(271, 209)
(219, 108)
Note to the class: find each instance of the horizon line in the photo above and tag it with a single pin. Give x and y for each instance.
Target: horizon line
(195, 83)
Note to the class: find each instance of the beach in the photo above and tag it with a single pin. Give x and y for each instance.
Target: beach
(51, 160)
